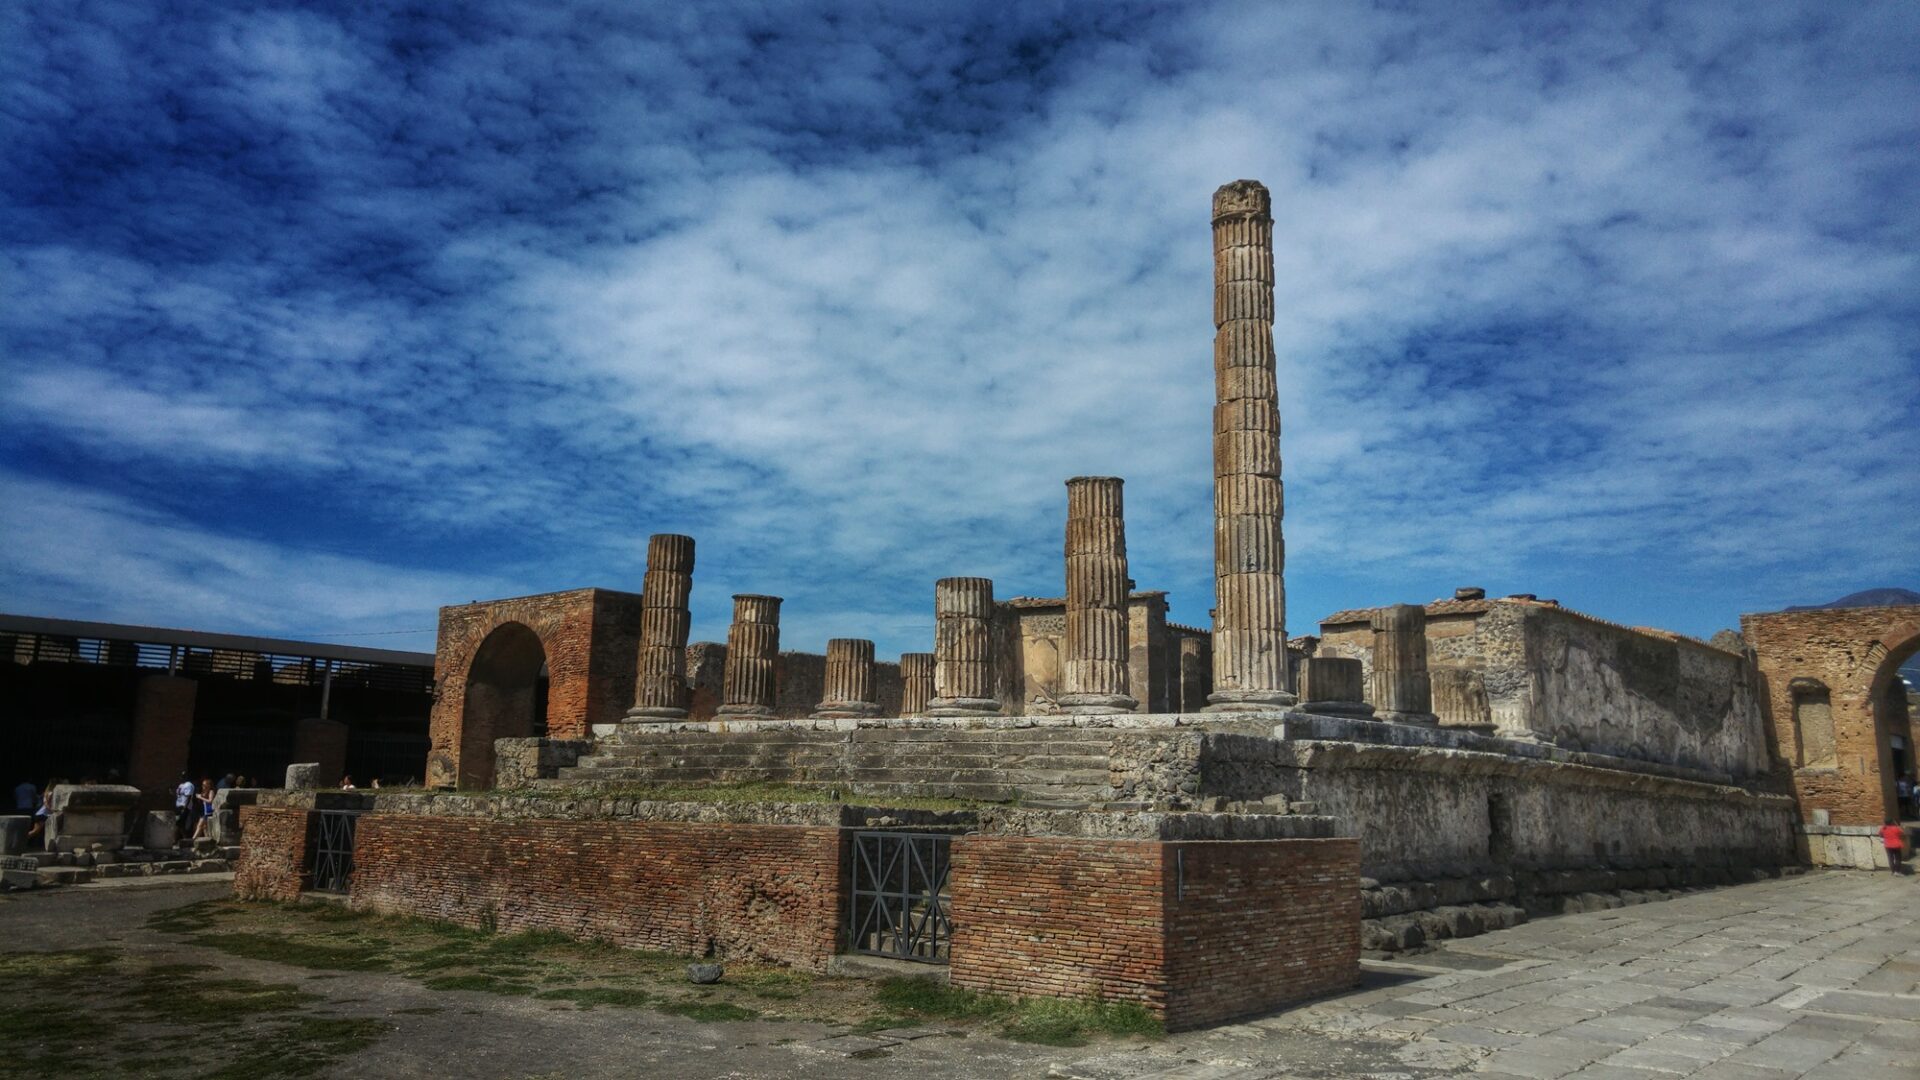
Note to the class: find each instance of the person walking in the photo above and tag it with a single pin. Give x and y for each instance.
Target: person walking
(1895, 838)
(183, 806)
(205, 809)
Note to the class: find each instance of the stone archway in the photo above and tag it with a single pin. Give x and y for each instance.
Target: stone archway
(506, 698)
(1892, 719)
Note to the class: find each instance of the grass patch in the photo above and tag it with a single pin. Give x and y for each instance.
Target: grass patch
(1048, 1021)
(485, 983)
(589, 996)
(292, 951)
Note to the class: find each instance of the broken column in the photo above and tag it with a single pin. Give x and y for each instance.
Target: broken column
(916, 683)
(1249, 558)
(1334, 686)
(753, 647)
(1401, 690)
(963, 648)
(849, 690)
(660, 683)
(1097, 662)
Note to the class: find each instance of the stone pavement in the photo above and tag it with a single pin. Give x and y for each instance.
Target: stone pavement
(1815, 976)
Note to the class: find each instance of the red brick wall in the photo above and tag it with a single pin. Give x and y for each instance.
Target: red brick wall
(162, 731)
(1260, 924)
(1854, 652)
(769, 892)
(591, 640)
(1196, 932)
(273, 854)
(1060, 917)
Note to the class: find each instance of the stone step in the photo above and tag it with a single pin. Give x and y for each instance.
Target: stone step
(871, 734)
(858, 760)
(744, 744)
(1078, 778)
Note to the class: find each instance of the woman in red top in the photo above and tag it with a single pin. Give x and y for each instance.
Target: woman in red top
(1895, 838)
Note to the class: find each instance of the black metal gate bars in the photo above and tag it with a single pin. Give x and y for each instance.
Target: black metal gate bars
(333, 849)
(901, 907)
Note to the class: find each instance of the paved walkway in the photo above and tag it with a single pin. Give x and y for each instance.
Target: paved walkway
(1815, 977)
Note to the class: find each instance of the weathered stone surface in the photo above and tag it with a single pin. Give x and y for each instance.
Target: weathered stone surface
(916, 681)
(1334, 686)
(517, 763)
(660, 681)
(160, 830)
(13, 833)
(1401, 690)
(1250, 614)
(753, 649)
(850, 681)
(1097, 655)
(705, 974)
(86, 815)
(304, 776)
(963, 675)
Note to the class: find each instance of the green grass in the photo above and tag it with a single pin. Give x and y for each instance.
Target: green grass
(306, 954)
(589, 996)
(1048, 1021)
(709, 1011)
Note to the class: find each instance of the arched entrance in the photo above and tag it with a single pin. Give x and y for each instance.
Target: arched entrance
(506, 698)
(1892, 718)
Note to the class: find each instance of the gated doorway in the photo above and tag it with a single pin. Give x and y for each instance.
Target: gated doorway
(901, 906)
(333, 835)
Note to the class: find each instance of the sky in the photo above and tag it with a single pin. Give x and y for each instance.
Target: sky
(317, 318)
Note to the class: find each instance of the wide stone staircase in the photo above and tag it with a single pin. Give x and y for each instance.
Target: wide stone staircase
(1061, 767)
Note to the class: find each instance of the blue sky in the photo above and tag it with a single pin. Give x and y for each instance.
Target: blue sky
(318, 318)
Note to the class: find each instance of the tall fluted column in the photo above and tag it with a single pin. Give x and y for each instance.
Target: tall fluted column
(916, 683)
(1249, 557)
(1401, 689)
(963, 648)
(660, 682)
(849, 684)
(1097, 586)
(1333, 685)
(753, 647)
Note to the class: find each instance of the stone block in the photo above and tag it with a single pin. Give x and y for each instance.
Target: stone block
(88, 814)
(304, 776)
(20, 879)
(65, 875)
(13, 833)
(159, 831)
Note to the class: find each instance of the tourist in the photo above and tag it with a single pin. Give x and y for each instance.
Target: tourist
(183, 805)
(225, 783)
(37, 832)
(1895, 837)
(26, 797)
(346, 782)
(205, 800)
(376, 783)
(1903, 796)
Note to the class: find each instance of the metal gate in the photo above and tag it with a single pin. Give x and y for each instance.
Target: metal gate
(901, 906)
(333, 849)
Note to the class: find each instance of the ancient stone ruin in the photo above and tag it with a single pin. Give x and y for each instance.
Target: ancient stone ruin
(1134, 809)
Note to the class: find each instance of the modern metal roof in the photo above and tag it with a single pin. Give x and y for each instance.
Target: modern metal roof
(201, 639)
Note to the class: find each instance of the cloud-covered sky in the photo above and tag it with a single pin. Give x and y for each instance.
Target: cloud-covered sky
(317, 318)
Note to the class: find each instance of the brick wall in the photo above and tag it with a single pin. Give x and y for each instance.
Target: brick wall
(1060, 917)
(1854, 653)
(162, 731)
(1254, 926)
(1197, 932)
(590, 638)
(769, 892)
(273, 857)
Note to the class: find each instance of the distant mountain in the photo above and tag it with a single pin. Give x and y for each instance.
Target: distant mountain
(1866, 598)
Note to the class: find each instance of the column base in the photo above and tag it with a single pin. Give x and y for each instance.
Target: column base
(1250, 700)
(1417, 719)
(752, 712)
(846, 710)
(1357, 709)
(963, 706)
(660, 713)
(1095, 704)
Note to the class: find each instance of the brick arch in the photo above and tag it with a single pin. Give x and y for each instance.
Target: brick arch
(1854, 653)
(506, 698)
(589, 639)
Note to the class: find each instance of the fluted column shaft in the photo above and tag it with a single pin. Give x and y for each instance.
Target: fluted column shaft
(753, 648)
(1333, 685)
(963, 648)
(1249, 557)
(916, 683)
(1097, 663)
(848, 691)
(660, 678)
(1401, 688)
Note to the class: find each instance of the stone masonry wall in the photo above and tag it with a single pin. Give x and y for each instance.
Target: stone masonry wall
(1853, 653)
(765, 892)
(1196, 932)
(1555, 675)
(273, 859)
(799, 682)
